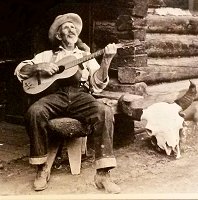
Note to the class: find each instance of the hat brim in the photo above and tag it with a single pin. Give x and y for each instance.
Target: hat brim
(61, 19)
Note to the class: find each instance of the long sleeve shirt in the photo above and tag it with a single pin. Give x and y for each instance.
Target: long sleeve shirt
(90, 67)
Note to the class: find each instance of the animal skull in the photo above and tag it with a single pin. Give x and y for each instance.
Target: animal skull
(164, 122)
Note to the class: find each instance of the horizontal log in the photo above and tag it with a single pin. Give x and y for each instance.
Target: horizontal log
(109, 25)
(116, 95)
(166, 92)
(154, 74)
(171, 87)
(131, 104)
(151, 99)
(132, 50)
(139, 34)
(109, 30)
(102, 37)
(172, 24)
(129, 75)
(123, 23)
(171, 45)
(136, 89)
(111, 98)
(168, 3)
(105, 12)
(127, 22)
(111, 9)
(174, 62)
(155, 3)
(174, 69)
(139, 60)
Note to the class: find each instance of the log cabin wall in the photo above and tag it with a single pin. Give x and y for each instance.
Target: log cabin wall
(171, 41)
(122, 21)
(168, 35)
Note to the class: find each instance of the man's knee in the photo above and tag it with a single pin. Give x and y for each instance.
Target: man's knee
(36, 111)
(104, 112)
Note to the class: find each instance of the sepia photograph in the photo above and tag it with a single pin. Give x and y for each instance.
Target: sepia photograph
(98, 99)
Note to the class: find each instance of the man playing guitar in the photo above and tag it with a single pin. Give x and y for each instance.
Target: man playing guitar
(72, 99)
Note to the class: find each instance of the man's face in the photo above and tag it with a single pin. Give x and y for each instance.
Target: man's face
(68, 33)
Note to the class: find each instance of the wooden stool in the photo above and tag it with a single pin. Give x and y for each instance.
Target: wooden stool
(75, 132)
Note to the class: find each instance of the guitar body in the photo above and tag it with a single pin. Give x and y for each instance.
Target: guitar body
(35, 84)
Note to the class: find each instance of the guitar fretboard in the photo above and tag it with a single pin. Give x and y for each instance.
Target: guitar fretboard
(96, 54)
(87, 57)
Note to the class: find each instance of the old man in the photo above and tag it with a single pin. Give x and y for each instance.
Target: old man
(72, 98)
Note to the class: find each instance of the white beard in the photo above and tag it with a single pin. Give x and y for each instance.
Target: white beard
(72, 40)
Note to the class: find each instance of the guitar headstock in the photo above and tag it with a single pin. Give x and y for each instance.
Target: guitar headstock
(125, 45)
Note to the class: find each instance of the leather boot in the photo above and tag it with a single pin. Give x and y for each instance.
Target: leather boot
(103, 181)
(42, 178)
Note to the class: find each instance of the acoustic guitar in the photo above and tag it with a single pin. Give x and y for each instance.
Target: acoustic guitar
(68, 66)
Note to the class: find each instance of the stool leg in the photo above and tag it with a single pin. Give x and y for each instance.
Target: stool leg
(84, 146)
(53, 149)
(74, 146)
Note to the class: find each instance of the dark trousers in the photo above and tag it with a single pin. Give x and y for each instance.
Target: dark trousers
(77, 103)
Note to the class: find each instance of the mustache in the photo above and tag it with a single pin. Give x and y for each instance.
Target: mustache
(72, 33)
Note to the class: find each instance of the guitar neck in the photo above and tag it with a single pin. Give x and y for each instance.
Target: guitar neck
(87, 57)
(97, 53)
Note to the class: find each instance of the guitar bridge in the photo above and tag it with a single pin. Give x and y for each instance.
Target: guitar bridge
(38, 76)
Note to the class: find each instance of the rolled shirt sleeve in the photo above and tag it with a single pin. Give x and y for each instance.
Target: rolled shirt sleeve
(20, 76)
(39, 58)
(97, 85)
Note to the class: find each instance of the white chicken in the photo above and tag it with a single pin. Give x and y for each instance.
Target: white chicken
(164, 122)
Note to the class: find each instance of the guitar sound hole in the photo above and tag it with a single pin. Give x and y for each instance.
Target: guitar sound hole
(61, 69)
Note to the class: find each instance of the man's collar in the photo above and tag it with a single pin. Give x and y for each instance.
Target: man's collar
(61, 48)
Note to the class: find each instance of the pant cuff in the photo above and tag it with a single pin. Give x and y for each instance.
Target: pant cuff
(105, 162)
(38, 161)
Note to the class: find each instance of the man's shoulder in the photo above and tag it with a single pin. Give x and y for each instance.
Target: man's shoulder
(45, 52)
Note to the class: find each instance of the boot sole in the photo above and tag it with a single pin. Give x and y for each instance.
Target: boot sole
(45, 187)
(40, 189)
(99, 185)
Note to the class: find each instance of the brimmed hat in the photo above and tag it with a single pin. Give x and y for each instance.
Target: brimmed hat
(61, 19)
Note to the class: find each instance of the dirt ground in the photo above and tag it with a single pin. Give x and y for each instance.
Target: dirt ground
(141, 170)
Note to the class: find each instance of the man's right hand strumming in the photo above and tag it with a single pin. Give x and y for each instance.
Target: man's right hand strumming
(47, 68)
(44, 68)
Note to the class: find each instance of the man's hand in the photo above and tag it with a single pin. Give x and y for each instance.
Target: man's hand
(47, 68)
(110, 51)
